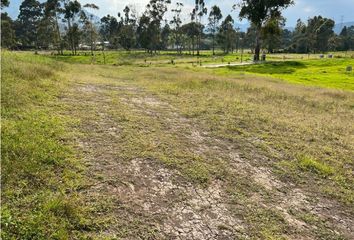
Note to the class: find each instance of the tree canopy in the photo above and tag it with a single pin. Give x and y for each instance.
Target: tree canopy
(66, 24)
(259, 12)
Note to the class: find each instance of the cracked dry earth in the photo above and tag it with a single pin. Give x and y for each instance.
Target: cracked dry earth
(140, 196)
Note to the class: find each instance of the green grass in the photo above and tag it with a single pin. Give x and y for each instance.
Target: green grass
(40, 172)
(309, 164)
(138, 57)
(328, 73)
(303, 134)
(298, 68)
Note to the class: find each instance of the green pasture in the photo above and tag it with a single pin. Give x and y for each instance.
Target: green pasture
(306, 69)
(328, 73)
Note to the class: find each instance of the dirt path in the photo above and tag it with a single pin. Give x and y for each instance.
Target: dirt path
(129, 137)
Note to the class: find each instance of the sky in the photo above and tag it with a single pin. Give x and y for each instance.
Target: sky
(336, 9)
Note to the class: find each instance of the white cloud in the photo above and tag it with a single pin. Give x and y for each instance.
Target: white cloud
(308, 9)
(112, 7)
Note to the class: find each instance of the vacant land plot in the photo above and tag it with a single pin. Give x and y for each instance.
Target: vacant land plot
(168, 152)
(294, 68)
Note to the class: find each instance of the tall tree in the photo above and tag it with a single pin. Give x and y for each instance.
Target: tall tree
(214, 18)
(258, 12)
(109, 30)
(191, 30)
(165, 36)
(272, 33)
(347, 38)
(143, 34)
(52, 12)
(156, 10)
(71, 9)
(227, 34)
(46, 32)
(300, 43)
(197, 14)
(176, 23)
(4, 3)
(286, 39)
(8, 39)
(28, 22)
(250, 37)
(127, 36)
(319, 30)
(91, 25)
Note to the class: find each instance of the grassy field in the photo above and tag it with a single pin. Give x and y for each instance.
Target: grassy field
(93, 151)
(329, 73)
(294, 68)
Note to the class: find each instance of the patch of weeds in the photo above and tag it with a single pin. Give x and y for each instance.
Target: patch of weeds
(323, 230)
(198, 172)
(309, 164)
(266, 223)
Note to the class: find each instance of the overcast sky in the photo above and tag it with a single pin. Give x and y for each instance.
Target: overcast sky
(335, 9)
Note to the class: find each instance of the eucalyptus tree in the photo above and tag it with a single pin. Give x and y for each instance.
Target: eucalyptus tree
(89, 22)
(214, 18)
(300, 43)
(52, 12)
(347, 38)
(319, 30)
(70, 10)
(4, 3)
(127, 32)
(8, 37)
(272, 33)
(176, 23)
(286, 39)
(197, 14)
(165, 36)
(227, 34)
(249, 40)
(191, 30)
(28, 22)
(109, 30)
(46, 32)
(7, 27)
(156, 10)
(143, 35)
(258, 13)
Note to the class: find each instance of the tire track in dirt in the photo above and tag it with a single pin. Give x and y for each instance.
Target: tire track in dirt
(180, 209)
(183, 210)
(287, 198)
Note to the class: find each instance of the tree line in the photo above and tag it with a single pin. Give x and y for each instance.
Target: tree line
(67, 24)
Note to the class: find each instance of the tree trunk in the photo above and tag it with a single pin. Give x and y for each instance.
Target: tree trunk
(257, 49)
(71, 37)
(193, 45)
(213, 44)
(60, 49)
(91, 36)
(198, 44)
(103, 53)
